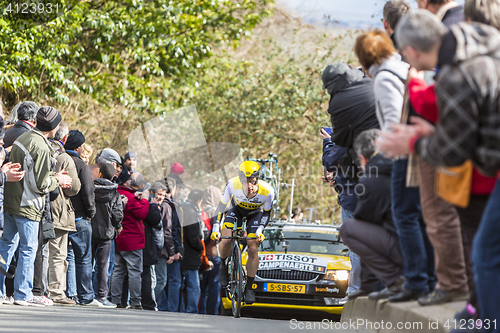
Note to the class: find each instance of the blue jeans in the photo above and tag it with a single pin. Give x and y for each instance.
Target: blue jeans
(416, 249)
(486, 261)
(71, 273)
(355, 273)
(1, 207)
(210, 289)
(20, 231)
(161, 280)
(174, 286)
(192, 283)
(81, 240)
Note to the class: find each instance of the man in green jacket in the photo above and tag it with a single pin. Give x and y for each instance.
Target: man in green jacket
(25, 200)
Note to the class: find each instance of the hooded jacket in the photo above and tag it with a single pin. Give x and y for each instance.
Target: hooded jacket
(109, 211)
(62, 208)
(136, 210)
(26, 198)
(389, 89)
(374, 202)
(468, 96)
(166, 208)
(352, 107)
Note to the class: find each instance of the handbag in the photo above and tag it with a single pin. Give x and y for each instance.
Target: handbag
(453, 184)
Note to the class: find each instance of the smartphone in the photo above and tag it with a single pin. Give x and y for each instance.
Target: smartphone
(327, 130)
(147, 187)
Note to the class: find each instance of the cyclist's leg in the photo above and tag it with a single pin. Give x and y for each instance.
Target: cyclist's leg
(227, 226)
(252, 244)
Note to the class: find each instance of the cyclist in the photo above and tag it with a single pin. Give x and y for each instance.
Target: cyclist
(251, 198)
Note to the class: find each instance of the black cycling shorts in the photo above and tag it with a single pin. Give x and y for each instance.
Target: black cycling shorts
(253, 220)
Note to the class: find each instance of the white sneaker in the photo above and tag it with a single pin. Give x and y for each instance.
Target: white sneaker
(7, 300)
(43, 300)
(94, 303)
(31, 302)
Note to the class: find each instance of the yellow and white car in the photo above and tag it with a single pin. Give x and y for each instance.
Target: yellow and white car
(301, 267)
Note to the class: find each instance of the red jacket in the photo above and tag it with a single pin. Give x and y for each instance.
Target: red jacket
(423, 99)
(132, 236)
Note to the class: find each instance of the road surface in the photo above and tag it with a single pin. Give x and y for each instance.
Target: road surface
(77, 319)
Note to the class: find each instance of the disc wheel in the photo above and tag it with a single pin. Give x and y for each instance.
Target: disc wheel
(236, 288)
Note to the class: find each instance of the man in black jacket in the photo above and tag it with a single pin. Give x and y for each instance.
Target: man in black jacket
(106, 224)
(191, 225)
(84, 205)
(372, 233)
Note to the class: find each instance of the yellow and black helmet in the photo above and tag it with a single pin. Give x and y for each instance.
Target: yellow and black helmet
(249, 169)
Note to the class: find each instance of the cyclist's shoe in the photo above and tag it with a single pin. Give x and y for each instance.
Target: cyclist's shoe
(223, 275)
(249, 296)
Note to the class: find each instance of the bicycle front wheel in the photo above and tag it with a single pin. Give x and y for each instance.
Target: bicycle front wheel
(236, 280)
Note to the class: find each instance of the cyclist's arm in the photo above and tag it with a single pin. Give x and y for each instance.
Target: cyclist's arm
(268, 205)
(221, 208)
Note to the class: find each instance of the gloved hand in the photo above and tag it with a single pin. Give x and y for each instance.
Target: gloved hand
(215, 233)
(259, 234)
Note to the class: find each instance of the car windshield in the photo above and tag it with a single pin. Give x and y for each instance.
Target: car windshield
(277, 242)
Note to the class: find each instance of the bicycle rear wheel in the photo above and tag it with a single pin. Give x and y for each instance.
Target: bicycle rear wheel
(236, 280)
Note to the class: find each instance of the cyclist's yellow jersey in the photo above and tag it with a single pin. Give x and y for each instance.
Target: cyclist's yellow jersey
(234, 193)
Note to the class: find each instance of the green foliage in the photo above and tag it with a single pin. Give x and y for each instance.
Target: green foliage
(119, 51)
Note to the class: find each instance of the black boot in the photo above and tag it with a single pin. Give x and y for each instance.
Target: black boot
(223, 274)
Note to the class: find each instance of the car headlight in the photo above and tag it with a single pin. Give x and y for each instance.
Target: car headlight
(336, 275)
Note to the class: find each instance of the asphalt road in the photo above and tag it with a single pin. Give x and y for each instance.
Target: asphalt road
(79, 319)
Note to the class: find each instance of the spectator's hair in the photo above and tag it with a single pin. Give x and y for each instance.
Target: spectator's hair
(27, 111)
(107, 171)
(394, 10)
(372, 47)
(421, 30)
(483, 11)
(62, 131)
(195, 196)
(159, 186)
(364, 145)
(438, 2)
(137, 179)
(87, 151)
(171, 184)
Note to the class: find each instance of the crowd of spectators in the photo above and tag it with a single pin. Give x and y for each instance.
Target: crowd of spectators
(98, 235)
(424, 220)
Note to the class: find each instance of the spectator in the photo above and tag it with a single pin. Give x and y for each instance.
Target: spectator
(352, 110)
(64, 221)
(106, 225)
(131, 161)
(467, 126)
(393, 11)
(162, 192)
(297, 214)
(23, 205)
(210, 286)
(3, 154)
(84, 205)
(130, 242)
(152, 245)
(174, 269)
(372, 234)
(26, 114)
(107, 155)
(191, 225)
(448, 11)
(379, 59)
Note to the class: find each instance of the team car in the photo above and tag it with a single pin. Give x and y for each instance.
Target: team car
(301, 267)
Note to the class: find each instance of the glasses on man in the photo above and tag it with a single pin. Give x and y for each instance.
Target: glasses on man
(252, 181)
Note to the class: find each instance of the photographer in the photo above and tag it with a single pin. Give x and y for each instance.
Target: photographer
(352, 110)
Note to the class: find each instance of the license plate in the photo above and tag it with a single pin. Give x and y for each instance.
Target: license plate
(285, 288)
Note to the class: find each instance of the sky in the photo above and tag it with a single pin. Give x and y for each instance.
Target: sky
(358, 14)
